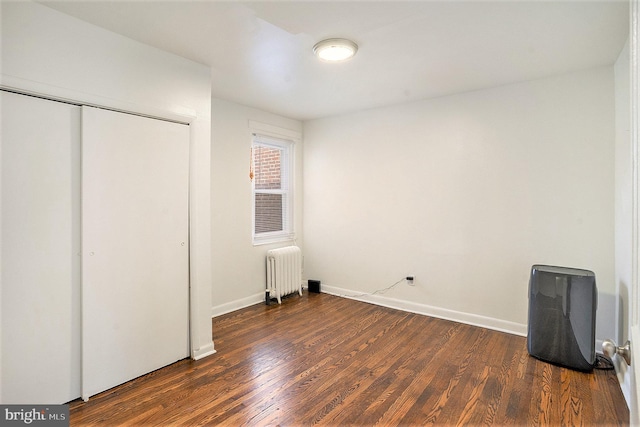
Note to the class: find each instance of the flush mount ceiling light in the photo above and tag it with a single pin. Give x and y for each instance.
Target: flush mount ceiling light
(335, 50)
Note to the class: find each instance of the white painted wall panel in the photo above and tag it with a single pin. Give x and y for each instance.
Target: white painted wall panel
(466, 192)
(235, 287)
(135, 239)
(40, 250)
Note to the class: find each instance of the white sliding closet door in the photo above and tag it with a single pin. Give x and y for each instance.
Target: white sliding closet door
(40, 312)
(135, 272)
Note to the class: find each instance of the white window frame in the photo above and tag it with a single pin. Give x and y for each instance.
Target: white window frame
(285, 143)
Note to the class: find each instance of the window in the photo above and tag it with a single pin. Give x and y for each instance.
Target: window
(272, 189)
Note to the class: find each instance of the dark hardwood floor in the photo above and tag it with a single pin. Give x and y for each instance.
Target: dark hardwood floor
(320, 359)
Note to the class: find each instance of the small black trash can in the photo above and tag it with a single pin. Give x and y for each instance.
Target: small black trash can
(314, 286)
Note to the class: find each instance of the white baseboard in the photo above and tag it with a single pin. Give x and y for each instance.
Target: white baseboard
(202, 352)
(228, 307)
(427, 310)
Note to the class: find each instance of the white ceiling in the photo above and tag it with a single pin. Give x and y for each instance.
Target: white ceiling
(260, 53)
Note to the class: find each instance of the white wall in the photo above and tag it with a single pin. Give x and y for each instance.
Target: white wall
(466, 192)
(44, 51)
(238, 266)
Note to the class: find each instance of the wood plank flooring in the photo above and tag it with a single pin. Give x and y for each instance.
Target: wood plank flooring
(321, 359)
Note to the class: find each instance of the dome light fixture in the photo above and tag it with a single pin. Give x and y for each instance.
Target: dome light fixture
(335, 50)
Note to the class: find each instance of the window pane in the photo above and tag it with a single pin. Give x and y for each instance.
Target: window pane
(267, 168)
(268, 212)
(271, 185)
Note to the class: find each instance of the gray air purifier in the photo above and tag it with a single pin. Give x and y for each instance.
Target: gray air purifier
(562, 316)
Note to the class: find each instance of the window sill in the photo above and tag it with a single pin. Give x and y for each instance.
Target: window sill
(273, 238)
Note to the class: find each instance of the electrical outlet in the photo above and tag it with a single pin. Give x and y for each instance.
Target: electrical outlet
(410, 280)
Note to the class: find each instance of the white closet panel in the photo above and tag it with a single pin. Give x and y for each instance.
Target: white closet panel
(135, 274)
(40, 286)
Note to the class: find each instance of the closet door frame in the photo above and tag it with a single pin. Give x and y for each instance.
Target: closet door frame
(199, 346)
